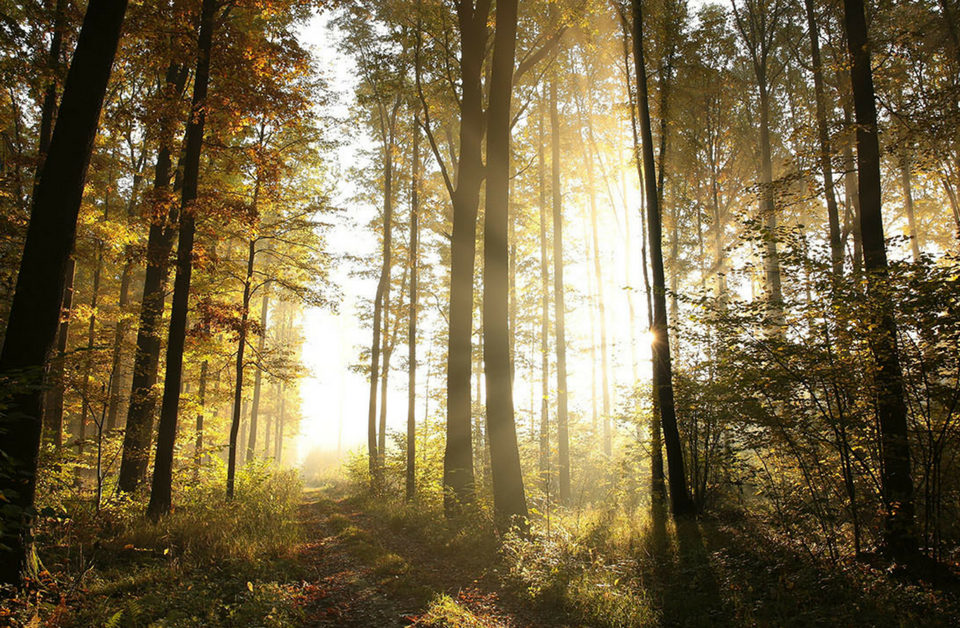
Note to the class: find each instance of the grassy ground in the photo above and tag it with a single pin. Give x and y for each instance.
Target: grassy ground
(330, 557)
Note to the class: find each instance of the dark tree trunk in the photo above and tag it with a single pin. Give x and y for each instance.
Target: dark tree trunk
(508, 496)
(238, 401)
(898, 532)
(662, 369)
(53, 410)
(563, 440)
(823, 135)
(123, 324)
(412, 318)
(458, 480)
(160, 490)
(258, 377)
(201, 400)
(35, 310)
(146, 359)
(49, 105)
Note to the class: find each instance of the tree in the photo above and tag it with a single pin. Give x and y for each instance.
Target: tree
(161, 489)
(35, 311)
(898, 533)
(660, 342)
(508, 496)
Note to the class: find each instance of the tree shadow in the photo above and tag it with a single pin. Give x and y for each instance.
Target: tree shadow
(684, 583)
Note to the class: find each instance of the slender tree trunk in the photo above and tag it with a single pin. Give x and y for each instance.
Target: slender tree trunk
(160, 490)
(898, 532)
(508, 496)
(123, 323)
(663, 375)
(823, 135)
(257, 378)
(146, 360)
(906, 186)
(544, 315)
(239, 367)
(563, 440)
(768, 210)
(411, 487)
(458, 480)
(35, 310)
(49, 104)
(53, 410)
(201, 401)
(86, 407)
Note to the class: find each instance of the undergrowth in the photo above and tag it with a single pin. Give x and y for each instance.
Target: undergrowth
(209, 562)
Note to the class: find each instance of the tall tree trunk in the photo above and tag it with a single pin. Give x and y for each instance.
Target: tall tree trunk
(258, 377)
(35, 310)
(898, 533)
(239, 367)
(160, 490)
(601, 304)
(123, 323)
(544, 314)
(86, 407)
(53, 410)
(663, 375)
(768, 210)
(906, 186)
(508, 497)
(657, 488)
(823, 136)
(201, 401)
(563, 439)
(146, 358)
(411, 487)
(458, 480)
(49, 104)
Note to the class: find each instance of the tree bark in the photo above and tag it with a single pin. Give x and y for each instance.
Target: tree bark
(898, 532)
(35, 310)
(544, 316)
(508, 497)
(559, 305)
(663, 372)
(146, 358)
(53, 410)
(411, 484)
(258, 377)
(458, 479)
(160, 493)
(238, 379)
(823, 136)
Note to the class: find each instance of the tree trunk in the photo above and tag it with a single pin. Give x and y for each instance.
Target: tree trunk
(160, 490)
(238, 379)
(53, 410)
(411, 487)
(146, 358)
(663, 376)
(85, 405)
(258, 377)
(508, 496)
(906, 186)
(823, 135)
(544, 316)
(458, 480)
(898, 532)
(123, 324)
(563, 440)
(201, 400)
(49, 105)
(35, 310)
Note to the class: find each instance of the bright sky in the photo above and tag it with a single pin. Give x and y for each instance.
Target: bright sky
(335, 398)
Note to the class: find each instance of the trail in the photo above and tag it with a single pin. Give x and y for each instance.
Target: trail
(368, 571)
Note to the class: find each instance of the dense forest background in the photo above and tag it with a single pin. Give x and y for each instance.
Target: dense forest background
(668, 290)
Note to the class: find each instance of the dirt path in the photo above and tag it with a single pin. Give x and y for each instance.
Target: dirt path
(367, 573)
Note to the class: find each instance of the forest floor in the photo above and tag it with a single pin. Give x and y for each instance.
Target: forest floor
(371, 571)
(333, 556)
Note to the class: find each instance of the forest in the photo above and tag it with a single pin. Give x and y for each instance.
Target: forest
(477, 313)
